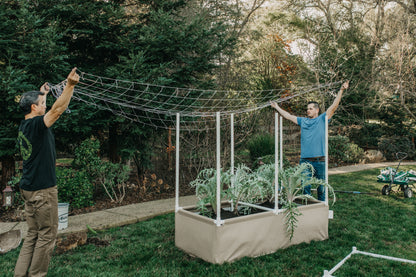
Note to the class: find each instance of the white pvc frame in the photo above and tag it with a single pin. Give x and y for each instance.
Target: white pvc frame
(278, 156)
(328, 273)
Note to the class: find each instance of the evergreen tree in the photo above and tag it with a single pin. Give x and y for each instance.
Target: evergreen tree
(29, 56)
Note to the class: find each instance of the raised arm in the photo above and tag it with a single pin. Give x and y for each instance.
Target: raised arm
(61, 104)
(331, 110)
(284, 113)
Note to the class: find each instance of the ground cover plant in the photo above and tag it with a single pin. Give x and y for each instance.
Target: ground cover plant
(372, 222)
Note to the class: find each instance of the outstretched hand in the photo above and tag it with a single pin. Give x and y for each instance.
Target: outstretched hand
(273, 104)
(73, 77)
(45, 88)
(345, 85)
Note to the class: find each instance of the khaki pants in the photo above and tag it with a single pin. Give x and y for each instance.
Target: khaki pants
(41, 209)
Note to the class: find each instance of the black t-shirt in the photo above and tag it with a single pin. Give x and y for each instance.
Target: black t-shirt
(37, 147)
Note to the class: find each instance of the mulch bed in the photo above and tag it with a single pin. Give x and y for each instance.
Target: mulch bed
(150, 190)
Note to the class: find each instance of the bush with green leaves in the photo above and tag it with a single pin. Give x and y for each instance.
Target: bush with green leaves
(270, 159)
(111, 176)
(261, 145)
(365, 135)
(389, 146)
(14, 184)
(342, 150)
(87, 157)
(74, 187)
(113, 179)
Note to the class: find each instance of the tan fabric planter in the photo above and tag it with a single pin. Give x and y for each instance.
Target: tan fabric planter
(251, 235)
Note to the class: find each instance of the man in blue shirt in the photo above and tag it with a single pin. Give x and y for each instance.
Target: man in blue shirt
(313, 137)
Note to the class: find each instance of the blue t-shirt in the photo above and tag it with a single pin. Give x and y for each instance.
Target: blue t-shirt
(312, 136)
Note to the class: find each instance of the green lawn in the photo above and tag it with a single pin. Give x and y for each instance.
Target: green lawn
(383, 225)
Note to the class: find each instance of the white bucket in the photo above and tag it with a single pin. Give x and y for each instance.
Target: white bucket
(62, 215)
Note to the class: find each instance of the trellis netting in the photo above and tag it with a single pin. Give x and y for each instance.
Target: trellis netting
(157, 105)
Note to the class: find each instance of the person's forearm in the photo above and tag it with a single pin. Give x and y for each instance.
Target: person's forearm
(331, 110)
(282, 112)
(285, 114)
(61, 104)
(337, 99)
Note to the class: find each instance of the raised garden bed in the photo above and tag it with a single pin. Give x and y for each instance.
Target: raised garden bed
(246, 236)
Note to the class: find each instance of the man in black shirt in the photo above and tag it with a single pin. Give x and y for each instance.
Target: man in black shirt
(38, 183)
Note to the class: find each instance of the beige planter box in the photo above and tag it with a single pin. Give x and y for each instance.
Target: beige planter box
(246, 236)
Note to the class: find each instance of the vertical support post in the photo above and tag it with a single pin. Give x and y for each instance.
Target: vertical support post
(232, 154)
(276, 163)
(218, 221)
(177, 163)
(326, 159)
(281, 142)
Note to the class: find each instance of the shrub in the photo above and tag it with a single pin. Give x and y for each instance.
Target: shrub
(366, 135)
(113, 178)
(87, 158)
(260, 145)
(270, 159)
(342, 150)
(74, 187)
(389, 146)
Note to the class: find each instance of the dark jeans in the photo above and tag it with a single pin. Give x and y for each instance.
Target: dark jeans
(319, 173)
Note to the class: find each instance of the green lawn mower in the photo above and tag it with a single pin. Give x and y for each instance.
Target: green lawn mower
(403, 180)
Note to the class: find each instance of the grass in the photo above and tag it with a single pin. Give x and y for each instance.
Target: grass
(65, 161)
(379, 224)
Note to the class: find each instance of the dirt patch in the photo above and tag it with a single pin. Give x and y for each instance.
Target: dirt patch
(64, 244)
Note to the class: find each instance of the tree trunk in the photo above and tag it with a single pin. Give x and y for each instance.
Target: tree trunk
(113, 143)
(8, 169)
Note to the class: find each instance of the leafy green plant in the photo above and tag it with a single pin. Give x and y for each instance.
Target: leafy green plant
(270, 159)
(252, 187)
(113, 178)
(293, 181)
(245, 186)
(14, 184)
(342, 150)
(265, 176)
(205, 186)
(74, 187)
(389, 146)
(260, 145)
(87, 157)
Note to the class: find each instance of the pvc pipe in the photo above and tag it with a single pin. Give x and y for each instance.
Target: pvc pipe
(326, 160)
(218, 221)
(177, 163)
(281, 142)
(276, 163)
(384, 257)
(328, 273)
(232, 155)
(255, 206)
